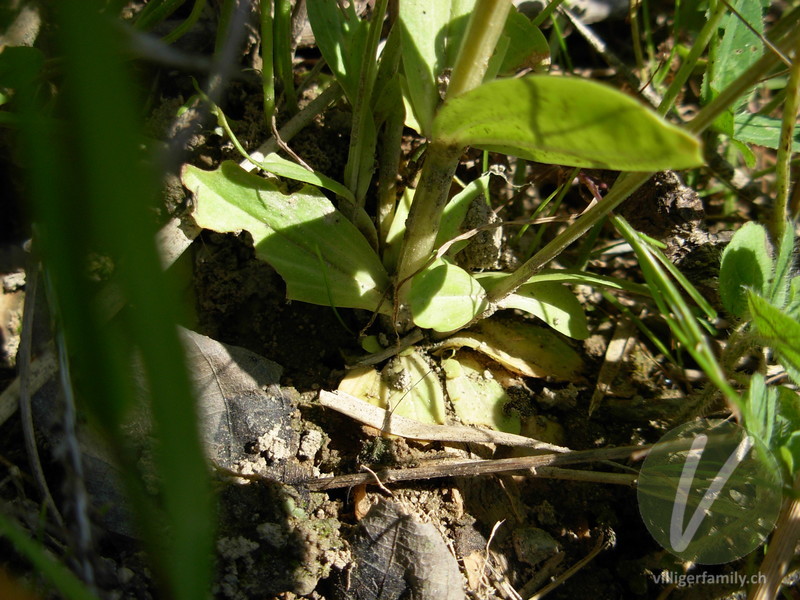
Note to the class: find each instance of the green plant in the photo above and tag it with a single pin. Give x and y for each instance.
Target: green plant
(581, 135)
(762, 292)
(401, 263)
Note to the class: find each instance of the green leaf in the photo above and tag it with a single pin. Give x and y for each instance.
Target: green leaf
(739, 47)
(761, 130)
(570, 276)
(478, 399)
(408, 386)
(445, 297)
(552, 302)
(527, 45)
(565, 121)
(522, 347)
(341, 37)
(745, 263)
(273, 163)
(779, 330)
(291, 232)
(793, 307)
(456, 210)
(394, 238)
(432, 33)
(760, 410)
(19, 66)
(790, 452)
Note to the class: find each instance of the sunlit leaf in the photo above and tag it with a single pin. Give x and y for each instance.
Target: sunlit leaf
(522, 348)
(477, 397)
(407, 386)
(565, 121)
(745, 263)
(322, 257)
(552, 302)
(432, 34)
(445, 297)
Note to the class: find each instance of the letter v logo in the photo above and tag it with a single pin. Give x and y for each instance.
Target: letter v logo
(680, 539)
(708, 492)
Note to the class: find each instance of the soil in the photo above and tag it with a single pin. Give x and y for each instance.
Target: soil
(277, 539)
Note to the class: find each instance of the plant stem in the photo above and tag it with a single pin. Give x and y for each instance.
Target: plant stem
(281, 32)
(485, 26)
(430, 197)
(782, 170)
(267, 68)
(388, 167)
(483, 30)
(548, 10)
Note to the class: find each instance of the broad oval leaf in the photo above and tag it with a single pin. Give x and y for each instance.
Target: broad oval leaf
(565, 121)
(745, 263)
(445, 297)
(522, 348)
(477, 399)
(407, 386)
(553, 303)
(322, 257)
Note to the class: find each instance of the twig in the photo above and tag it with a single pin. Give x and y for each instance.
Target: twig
(285, 147)
(378, 481)
(414, 336)
(26, 392)
(471, 467)
(294, 125)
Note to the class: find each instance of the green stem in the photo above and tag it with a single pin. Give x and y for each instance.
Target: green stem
(548, 10)
(636, 36)
(782, 170)
(267, 68)
(624, 187)
(485, 26)
(388, 167)
(430, 197)
(183, 28)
